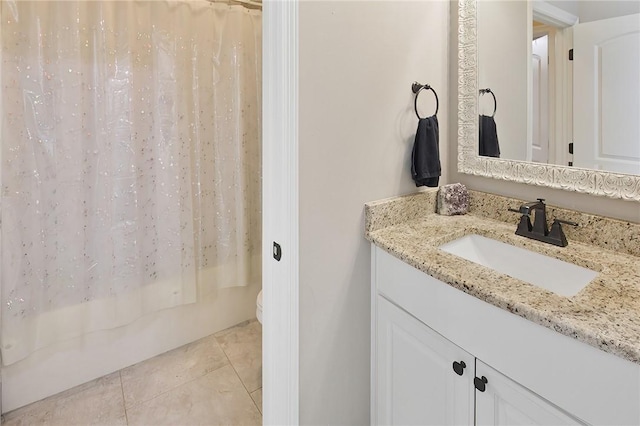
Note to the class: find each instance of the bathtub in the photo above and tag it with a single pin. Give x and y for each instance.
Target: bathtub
(77, 360)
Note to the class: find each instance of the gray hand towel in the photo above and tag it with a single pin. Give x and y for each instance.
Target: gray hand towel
(425, 158)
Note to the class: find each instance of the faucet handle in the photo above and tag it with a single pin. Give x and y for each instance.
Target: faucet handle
(566, 222)
(541, 200)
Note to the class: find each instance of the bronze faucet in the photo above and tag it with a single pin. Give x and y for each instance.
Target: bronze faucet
(539, 231)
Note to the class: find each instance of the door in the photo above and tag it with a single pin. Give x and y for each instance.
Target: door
(416, 381)
(606, 94)
(540, 97)
(505, 402)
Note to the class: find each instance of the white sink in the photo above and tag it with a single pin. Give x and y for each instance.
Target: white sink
(563, 278)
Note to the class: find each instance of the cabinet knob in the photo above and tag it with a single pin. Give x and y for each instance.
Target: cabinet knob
(459, 367)
(480, 383)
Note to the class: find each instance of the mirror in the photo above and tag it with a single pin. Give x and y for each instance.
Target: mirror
(515, 162)
(523, 54)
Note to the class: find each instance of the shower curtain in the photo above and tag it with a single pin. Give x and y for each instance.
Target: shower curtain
(130, 162)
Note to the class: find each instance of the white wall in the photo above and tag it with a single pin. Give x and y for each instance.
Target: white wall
(594, 10)
(597, 10)
(571, 6)
(504, 27)
(356, 129)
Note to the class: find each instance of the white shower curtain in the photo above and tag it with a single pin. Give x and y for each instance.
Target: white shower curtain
(130, 161)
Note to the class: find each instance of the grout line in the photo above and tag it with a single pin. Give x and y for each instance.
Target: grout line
(124, 401)
(254, 401)
(238, 375)
(180, 385)
(232, 366)
(137, 403)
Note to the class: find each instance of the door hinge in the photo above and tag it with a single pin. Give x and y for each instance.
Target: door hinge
(571, 54)
(570, 163)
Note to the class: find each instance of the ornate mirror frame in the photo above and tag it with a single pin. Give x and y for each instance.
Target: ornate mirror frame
(587, 181)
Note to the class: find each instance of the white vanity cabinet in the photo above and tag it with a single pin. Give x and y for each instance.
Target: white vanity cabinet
(416, 382)
(422, 326)
(505, 402)
(424, 379)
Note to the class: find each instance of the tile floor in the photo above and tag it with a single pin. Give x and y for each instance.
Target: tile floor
(213, 381)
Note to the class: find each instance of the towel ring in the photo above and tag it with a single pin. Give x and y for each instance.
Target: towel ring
(417, 88)
(495, 102)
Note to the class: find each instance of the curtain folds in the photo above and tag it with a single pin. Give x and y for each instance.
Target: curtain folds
(130, 164)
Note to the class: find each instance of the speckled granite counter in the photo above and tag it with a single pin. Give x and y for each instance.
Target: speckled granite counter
(605, 314)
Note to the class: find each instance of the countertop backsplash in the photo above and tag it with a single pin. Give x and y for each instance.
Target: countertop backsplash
(600, 231)
(608, 233)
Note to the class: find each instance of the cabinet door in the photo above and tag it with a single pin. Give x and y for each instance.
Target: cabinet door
(416, 381)
(505, 402)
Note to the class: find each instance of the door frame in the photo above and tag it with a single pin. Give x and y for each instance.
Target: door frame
(280, 337)
(560, 78)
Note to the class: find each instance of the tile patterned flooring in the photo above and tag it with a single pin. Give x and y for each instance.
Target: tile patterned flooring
(213, 381)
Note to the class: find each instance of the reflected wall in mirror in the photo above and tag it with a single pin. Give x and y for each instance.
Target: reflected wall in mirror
(547, 101)
(592, 180)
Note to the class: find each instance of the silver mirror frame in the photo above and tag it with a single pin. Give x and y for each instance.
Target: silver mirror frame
(594, 182)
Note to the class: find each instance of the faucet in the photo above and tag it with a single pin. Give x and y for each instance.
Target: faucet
(539, 231)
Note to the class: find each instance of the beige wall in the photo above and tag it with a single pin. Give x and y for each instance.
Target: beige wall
(357, 63)
(624, 210)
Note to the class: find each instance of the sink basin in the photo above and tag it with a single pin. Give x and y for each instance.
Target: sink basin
(563, 278)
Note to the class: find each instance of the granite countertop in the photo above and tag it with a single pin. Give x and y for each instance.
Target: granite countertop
(605, 314)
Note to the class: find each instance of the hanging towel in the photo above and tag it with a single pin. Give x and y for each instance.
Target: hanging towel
(488, 141)
(425, 158)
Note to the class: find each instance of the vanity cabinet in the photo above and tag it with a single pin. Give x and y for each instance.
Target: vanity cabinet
(422, 326)
(416, 381)
(505, 402)
(422, 378)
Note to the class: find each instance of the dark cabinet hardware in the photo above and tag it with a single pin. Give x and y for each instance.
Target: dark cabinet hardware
(459, 367)
(480, 383)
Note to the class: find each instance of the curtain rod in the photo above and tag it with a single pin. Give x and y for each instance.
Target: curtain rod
(250, 4)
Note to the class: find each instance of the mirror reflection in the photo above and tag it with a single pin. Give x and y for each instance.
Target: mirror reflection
(562, 80)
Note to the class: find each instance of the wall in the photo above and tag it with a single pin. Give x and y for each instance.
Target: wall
(503, 29)
(570, 6)
(619, 209)
(597, 10)
(356, 129)
(588, 11)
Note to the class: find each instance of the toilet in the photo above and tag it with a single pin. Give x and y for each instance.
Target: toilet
(259, 307)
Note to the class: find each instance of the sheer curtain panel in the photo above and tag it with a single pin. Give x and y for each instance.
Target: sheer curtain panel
(130, 165)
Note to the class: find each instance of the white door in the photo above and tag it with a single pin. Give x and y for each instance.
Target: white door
(416, 381)
(505, 402)
(540, 97)
(606, 94)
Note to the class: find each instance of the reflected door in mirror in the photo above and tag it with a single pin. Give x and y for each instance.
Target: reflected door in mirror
(607, 94)
(539, 150)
